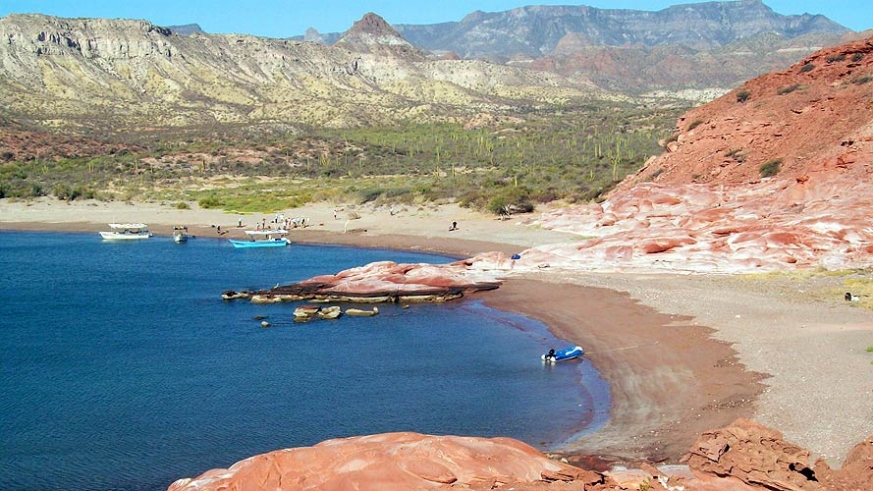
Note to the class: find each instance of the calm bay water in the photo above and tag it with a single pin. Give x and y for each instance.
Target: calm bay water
(121, 367)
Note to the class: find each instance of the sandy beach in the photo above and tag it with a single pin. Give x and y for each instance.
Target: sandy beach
(682, 353)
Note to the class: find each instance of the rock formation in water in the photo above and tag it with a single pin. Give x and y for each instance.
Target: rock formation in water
(378, 282)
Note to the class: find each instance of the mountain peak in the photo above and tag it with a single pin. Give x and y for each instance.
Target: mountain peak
(372, 34)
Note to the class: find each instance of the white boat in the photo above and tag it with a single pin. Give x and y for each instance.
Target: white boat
(126, 231)
(263, 238)
(180, 234)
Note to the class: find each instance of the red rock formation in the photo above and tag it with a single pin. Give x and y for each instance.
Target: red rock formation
(759, 457)
(775, 175)
(389, 462)
(815, 117)
(742, 457)
(383, 281)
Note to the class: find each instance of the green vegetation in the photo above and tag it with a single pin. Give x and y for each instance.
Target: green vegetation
(736, 154)
(835, 58)
(694, 124)
(869, 349)
(575, 154)
(862, 80)
(807, 67)
(771, 168)
(787, 89)
(857, 57)
(743, 95)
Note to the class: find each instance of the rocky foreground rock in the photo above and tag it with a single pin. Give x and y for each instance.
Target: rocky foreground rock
(744, 456)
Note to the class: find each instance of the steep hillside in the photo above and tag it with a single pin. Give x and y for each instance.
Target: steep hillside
(813, 117)
(107, 74)
(773, 176)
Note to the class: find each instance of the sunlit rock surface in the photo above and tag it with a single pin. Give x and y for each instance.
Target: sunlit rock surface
(386, 462)
(769, 226)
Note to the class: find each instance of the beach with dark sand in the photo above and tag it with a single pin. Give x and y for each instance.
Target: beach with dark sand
(682, 353)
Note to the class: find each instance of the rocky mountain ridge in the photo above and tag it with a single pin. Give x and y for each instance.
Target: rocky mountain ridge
(705, 47)
(121, 73)
(536, 31)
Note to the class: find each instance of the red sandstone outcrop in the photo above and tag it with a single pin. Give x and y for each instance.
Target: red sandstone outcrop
(391, 462)
(774, 225)
(382, 281)
(774, 175)
(759, 457)
(742, 457)
(814, 117)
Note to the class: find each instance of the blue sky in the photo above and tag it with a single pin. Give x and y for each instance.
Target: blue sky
(284, 18)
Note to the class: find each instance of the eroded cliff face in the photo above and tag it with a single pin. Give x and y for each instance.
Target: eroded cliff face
(89, 71)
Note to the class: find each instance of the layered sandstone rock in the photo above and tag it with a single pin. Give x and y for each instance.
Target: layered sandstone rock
(382, 281)
(742, 457)
(389, 462)
(760, 458)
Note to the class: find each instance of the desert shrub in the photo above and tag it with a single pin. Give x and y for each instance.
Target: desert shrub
(808, 67)
(370, 194)
(835, 58)
(857, 57)
(182, 206)
(869, 349)
(862, 80)
(743, 95)
(771, 168)
(694, 124)
(787, 89)
(735, 154)
(64, 191)
(211, 201)
(510, 199)
(670, 139)
(655, 174)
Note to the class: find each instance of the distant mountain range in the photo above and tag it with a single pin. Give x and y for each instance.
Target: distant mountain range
(86, 72)
(699, 48)
(538, 31)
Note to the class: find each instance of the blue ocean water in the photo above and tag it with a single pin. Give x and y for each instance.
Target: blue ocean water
(121, 367)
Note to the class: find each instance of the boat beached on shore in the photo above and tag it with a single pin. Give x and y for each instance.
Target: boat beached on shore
(569, 353)
(126, 231)
(180, 234)
(263, 238)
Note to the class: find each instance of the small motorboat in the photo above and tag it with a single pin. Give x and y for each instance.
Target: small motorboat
(180, 234)
(126, 231)
(570, 353)
(263, 238)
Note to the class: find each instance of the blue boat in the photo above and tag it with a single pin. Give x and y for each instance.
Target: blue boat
(570, 353)
(263, 238)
